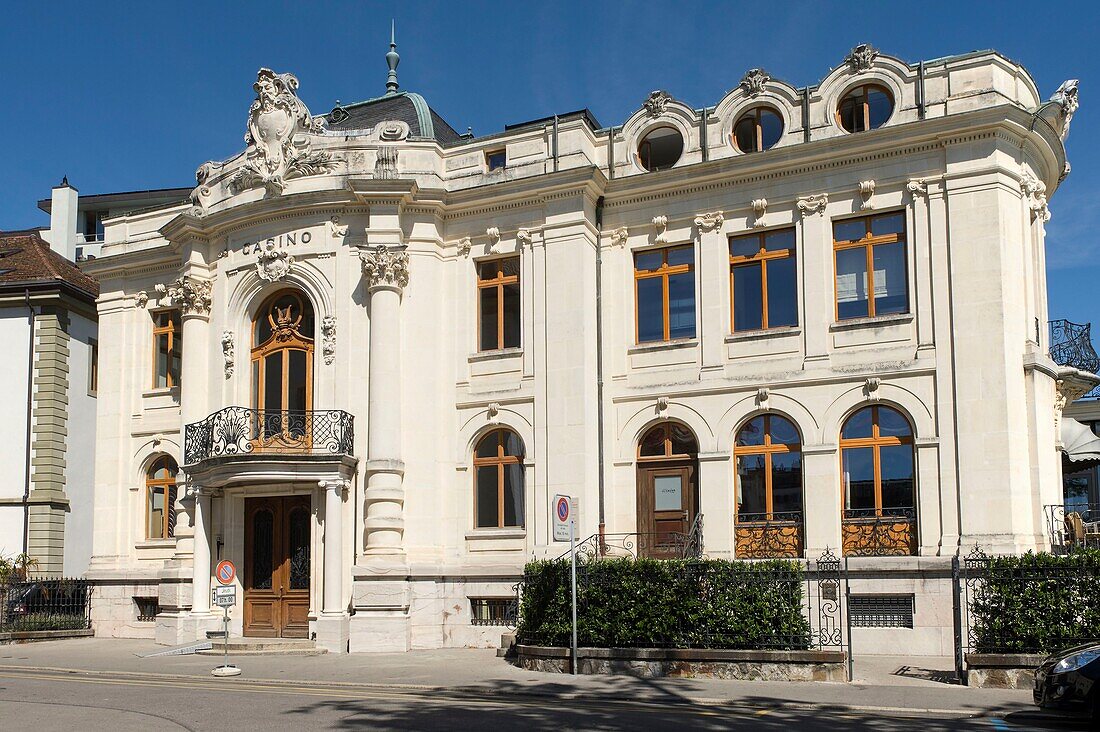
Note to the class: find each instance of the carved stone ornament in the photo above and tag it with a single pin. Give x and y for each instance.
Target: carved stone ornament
(393, 130)
(385, 165)
(227, 352)
(662, 406)
(383, 266)
(464, 245)
(709, 221)
(759, 208)
(861, 57)
(273, 265)
(813, 204)
(753, 82)
(763, 395)
(866, 190)
(870, 388)
(328, 338)
(338, 232)
(657, 102)
(1035, 191)
(492, 410)
(278, 137)
(917, 187)
(1066, 97)
(494, 237)
(1065, 392)
(190, 294)
(619, 236)
(141, 299)
(661, 223)
(524, 237)
(201, 192)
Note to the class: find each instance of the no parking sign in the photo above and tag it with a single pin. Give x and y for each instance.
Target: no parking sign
(564, 509)
(225, 572)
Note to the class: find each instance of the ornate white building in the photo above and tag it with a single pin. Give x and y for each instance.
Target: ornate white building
(364, 355)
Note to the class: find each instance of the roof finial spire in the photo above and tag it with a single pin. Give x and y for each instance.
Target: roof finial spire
(392, 59)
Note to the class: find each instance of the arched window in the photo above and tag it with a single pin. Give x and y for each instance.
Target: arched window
(160, 499)
(768, 454)
(864, 108)
(667, 490)
(498, 480)
(879, 472)
(282, 366)
(757, 130)
(660, 149)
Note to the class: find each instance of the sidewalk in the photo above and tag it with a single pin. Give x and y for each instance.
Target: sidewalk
(882, 683)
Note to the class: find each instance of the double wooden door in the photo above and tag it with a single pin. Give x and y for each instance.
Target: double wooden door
(277, 558)
(667, 507)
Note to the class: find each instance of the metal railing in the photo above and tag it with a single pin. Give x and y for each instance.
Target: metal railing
(645, 545)
(243, 431)
(45, 604)
(879, 533)
(1074, 526)
(776, 535)
(1071, 345)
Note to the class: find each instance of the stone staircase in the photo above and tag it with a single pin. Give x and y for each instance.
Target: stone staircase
(263, 647)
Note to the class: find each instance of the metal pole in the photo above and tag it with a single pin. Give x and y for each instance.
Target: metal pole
(847, 610)
(956, 608)
(573, 581)
(225, 638)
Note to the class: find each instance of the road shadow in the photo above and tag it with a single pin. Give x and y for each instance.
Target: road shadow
(928, 674)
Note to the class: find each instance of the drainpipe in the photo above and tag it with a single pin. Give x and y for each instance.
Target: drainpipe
(703, 134)
(30, 425)
(920, 91)
(806, 114)
(610, 157)
(599, 361)
(554, 143)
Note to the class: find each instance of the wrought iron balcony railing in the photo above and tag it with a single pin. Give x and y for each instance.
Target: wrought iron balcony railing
(1071, 345)
(1073, 526)
(883, 533)
(769, 535)
(243, 431)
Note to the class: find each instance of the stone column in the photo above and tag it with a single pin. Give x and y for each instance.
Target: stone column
(333, 573)
(200, 579)
(816, 261)
(387, 273)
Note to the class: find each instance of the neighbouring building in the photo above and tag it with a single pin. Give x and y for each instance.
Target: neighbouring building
(48, 425)
(365, 353)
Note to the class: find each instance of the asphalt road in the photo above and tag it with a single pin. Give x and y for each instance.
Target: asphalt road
(42, 700)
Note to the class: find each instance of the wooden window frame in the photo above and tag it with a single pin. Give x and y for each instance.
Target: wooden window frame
(498, 283)
(758, 142)
(763, 257)
(175, 340)
(862, 90)
(869, 242)
(664, 272)
(767, 450)
(668, 454)
(165, 484)
(876, 442)
(500, 461)
(293, 341)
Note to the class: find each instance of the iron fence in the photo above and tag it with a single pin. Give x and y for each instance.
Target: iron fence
(1074, 526)
(240, 431)
(1071, 345)
(45, 604)
(648, 545)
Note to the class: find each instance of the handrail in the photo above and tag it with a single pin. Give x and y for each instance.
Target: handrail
(241, 431)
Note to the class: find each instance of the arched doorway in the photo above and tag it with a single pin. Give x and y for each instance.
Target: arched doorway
(277, 571)
(282, 371)
(668, 499)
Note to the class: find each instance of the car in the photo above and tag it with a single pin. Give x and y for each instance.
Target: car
(1068, 682)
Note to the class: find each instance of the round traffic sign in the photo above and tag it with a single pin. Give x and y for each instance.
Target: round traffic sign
(563, 509)
(225, 572)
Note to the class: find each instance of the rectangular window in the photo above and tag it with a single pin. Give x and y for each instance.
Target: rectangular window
(492, 610)
(763, 290)
(496, 159)
(664, 294)
(881, 611)
(871, 271)
(498, 304)
(147, 609)
(93, 366)
(167, 349)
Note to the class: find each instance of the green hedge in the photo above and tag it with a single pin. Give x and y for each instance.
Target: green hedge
(1035, 603)
(648, 603)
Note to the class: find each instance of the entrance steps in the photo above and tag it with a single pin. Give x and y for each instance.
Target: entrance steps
(263, 647)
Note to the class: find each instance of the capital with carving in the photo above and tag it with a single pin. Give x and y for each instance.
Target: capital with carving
(189, 294)
(337, 486)
(524, 237)
(917, 187)
(385, 267)
(709, 221)
(619, 236)
(815, 204)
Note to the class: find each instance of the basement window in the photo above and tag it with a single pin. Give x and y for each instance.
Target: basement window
(492, 610)
(147, 609)
(881, 611)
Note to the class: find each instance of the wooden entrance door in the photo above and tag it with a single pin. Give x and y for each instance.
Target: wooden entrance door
(666, 509)
(276, 567)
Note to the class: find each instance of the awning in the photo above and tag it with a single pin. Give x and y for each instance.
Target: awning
(1080, 446)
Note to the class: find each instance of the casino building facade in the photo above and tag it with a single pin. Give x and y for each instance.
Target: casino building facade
(363, 355)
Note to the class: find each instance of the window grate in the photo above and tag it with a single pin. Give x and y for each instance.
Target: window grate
(147, 609)
(492, 610)
(881, 611)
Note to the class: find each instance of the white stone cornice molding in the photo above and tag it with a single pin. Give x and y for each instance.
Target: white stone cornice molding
(464, 246)
(141, 299)
(337, 231)
(759, 208)
(661, 224)
(494, 237)
(190, 294)
(861, 58)
(619, 236)
(754, 80)
(525, 237)
(1035, 191)
(814, 204)
(273, 265)
(228, 352)
(866, 191)
(917, 187)
(328, 338)
(657, 102)
(709, 221)
(385, 267)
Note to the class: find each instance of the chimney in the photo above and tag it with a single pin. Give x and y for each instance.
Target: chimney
(63, 220)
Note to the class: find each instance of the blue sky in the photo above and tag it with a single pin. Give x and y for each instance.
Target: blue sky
(128, 96)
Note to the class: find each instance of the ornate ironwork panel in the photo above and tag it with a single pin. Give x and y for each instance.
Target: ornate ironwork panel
(240, 431)
(1071, 345)
(869, 533)
(1073, 526)
(769, 535)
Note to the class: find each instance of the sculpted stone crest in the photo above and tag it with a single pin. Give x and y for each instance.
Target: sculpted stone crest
(383, 266)
(273, 265)
(753, 82)
(861, 57)
(190, 294)
(657, 103)
(279, 127)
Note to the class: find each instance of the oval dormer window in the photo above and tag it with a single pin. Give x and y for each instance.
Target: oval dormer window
(864, 108)
(757, 130)
(660, 149)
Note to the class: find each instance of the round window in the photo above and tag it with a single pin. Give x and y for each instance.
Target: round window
(660, 149)
(757, 129)
(865, 108)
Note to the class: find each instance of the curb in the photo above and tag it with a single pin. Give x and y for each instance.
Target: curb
(536, 693)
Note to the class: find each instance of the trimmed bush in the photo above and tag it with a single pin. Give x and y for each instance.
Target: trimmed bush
(1035, 603)
(649, 603)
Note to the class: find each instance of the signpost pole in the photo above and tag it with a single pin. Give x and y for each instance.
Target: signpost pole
(225, 638)
(225, 597)
(573, 581)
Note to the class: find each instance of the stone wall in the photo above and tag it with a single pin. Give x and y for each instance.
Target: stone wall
(114, 612)
(1002, 670)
